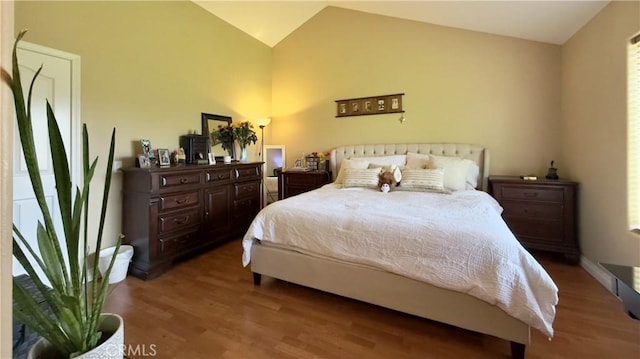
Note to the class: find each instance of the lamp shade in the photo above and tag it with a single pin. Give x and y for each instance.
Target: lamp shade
(263, 122)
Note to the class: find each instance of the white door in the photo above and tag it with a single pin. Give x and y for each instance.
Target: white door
(58, 82)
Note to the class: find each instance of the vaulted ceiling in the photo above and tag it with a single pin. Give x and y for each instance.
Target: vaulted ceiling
(546, 21)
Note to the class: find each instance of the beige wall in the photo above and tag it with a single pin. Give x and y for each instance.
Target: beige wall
(149, 69)
(594, 106)
(460, 86)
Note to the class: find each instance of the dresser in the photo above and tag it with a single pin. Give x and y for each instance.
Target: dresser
(170, 214)
(291, 183)
(541, 213)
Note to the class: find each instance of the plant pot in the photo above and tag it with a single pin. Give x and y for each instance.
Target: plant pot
(112, 347)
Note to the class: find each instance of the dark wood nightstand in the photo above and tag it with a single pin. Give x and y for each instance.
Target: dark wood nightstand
(291, 183)
(541, 213)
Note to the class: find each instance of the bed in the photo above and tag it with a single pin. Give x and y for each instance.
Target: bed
(280, 250)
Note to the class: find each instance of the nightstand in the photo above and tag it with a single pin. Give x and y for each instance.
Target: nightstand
(291, 183)
(540, 213)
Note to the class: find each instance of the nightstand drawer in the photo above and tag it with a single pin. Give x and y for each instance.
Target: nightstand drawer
(540, 210)
(531, 193)
(523, 228)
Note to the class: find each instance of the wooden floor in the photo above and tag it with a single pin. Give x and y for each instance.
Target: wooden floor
(208, 307)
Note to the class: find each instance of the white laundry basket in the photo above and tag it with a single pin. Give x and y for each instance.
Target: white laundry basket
(121, 264)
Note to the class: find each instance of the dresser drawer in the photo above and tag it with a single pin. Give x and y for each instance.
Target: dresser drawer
(532, 193)
(178, 220)
(174, 245)
(176, 181)
(246, 207)
(530, 209)
(218, 176)
(247, 173)
(251, 189)
(181, 200)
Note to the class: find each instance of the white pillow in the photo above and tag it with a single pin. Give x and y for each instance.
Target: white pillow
(395, 170)
(346, 163)
(367, 178)
(431, 180)
(398, 160)
(417, 160)
(457, 171)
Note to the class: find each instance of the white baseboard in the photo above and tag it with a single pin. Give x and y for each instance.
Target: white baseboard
(597, 272)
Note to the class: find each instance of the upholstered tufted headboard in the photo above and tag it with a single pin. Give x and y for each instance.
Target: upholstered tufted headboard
(475, 153)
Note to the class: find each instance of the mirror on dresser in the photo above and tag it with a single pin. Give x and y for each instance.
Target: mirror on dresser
(210, 124)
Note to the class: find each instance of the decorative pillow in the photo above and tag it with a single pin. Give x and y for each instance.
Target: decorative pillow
(431, 180)
(345, 164)
(395, 170)
(398, 160)
(367, 178)
(417, 160)
(457, 171)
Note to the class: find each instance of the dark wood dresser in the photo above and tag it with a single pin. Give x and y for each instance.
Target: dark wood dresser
(541, 213)
(173, 213)
(291, 183)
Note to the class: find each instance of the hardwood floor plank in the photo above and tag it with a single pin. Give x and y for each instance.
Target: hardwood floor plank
(208, 307)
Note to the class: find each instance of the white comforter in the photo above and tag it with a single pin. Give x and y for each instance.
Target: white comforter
(457, 241)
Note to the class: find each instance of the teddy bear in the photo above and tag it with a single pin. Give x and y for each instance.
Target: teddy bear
(385, 181)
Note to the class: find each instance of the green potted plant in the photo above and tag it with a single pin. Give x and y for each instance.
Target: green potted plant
(244, 133)
(71, 321)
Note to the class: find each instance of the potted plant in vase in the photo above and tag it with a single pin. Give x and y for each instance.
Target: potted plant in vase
(244, 133)
(71, 321)
(224, 136)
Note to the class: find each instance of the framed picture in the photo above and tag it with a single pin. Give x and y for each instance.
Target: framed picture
(212, 159)
(368, 105)
(143, 161)
(354, 107)
(377, 105)
(163, 156)
(342, 109)
(147, 150)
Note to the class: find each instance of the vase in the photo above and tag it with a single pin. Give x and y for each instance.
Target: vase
(243, 154)
(112, 347)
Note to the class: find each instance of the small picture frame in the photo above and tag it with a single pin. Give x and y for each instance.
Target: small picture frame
(147, 150)
(163, 156)
(381, 104)
(143, 161)
(212, 159)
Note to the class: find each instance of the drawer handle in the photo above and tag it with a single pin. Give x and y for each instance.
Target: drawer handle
(164, 181)
(181, 221)
(181, 201)
(531, 194)
(220, 177)
(183, 180)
